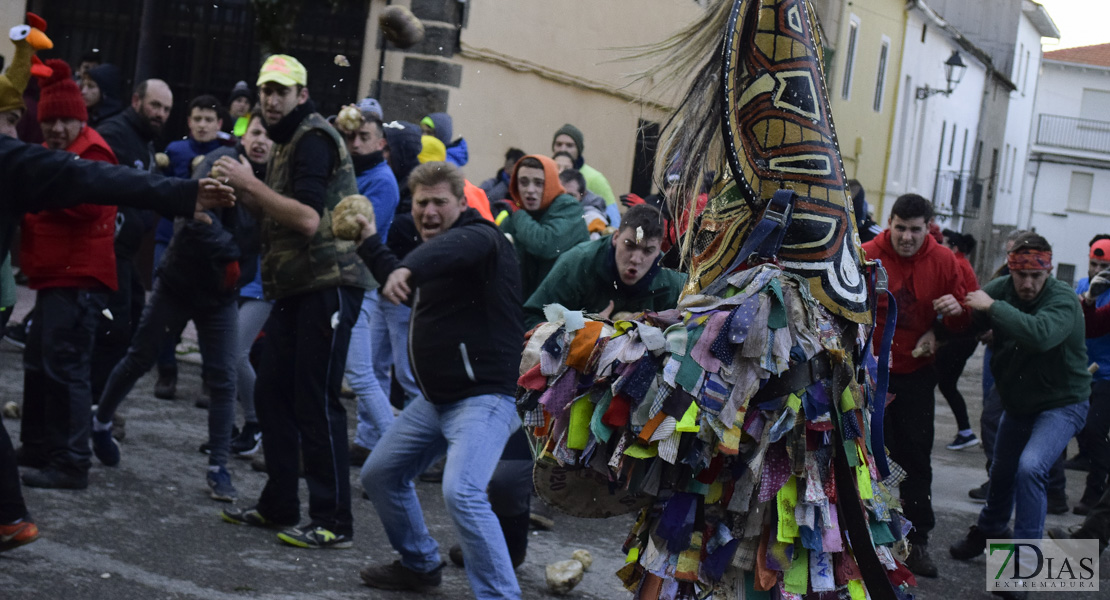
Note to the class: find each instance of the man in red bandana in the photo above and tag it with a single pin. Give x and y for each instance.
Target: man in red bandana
(925, 279)
(1040, 370)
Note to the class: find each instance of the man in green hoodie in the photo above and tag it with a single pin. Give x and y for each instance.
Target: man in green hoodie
(614, 274)
(1040, 370)
(547, 221)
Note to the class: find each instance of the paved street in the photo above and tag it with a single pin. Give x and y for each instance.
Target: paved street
(147, 529)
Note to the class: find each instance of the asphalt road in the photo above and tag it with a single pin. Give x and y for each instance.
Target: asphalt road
(147, 529)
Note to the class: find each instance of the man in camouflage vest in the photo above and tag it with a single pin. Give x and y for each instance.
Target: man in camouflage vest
(316, 282)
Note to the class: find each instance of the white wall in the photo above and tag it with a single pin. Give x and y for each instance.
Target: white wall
(1020, 125)
(916, 138)
(1069, 231)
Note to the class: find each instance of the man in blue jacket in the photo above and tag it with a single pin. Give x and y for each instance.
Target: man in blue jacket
(464, 286)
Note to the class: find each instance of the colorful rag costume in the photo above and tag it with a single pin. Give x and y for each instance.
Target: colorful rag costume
(738, 425)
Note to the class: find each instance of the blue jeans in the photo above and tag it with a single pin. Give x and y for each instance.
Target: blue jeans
(389, 336)
(374, 413)
(472, 432)
(1024, 451)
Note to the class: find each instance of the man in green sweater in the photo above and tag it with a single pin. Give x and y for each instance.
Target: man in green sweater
(614, 274)
(547, 221)
(1040, 370)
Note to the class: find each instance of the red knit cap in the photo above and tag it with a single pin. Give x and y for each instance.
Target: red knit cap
(60, 97)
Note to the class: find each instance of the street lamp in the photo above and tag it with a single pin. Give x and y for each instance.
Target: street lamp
(954, 69)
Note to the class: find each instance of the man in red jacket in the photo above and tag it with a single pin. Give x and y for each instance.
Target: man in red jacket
(69, 257)
(925, 280)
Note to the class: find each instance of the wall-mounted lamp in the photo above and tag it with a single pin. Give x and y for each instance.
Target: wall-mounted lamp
(954, 69)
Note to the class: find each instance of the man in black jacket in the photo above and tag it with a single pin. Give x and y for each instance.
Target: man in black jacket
(464, 286)
(130, 134)
(38, 178)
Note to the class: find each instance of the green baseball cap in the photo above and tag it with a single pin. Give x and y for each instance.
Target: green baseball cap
(283, 69)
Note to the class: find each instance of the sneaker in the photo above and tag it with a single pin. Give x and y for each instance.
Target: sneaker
(359, 454)
(315, 537)
(979, 494)
(219, 485)
(166, 386)
(973, 544)
(248, 441)
(249, 516)
(396, 576)
(963, 441)
(105, 447)
(919, 563)
(56, 479)
(17, 534)
(16, 334)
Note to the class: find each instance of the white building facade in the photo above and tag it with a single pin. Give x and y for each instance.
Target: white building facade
(1066, 192)
(933, 145)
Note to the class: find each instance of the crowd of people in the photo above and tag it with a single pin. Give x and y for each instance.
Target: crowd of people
(434, 298)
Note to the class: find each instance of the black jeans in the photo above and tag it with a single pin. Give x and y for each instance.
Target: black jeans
(1093, 441)
(12, 506)
(296, 396)
(950, 362)
(57, 395)
(1097, 523)
(909, 437)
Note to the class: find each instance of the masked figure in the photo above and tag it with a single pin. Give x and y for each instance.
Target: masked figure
(739, 424)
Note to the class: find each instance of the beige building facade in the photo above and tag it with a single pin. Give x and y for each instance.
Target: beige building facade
(520, 69)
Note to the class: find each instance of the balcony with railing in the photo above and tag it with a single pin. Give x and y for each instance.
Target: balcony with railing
(957, 194)
(1085, 135)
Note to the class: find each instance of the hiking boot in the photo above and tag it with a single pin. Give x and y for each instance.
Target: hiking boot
(395, 576)
(1058, 505)
(919, 563)
(359, 454)
(973, 544)
(56, 479)
(248, 441)
(979, 494)
(166, 386)
(963, 441)
(219, 484)
(315, 537)
(249, 516)
(17, 534)
(105, 447)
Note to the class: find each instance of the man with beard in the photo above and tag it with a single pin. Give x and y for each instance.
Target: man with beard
(317, 283)
(131, 136)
